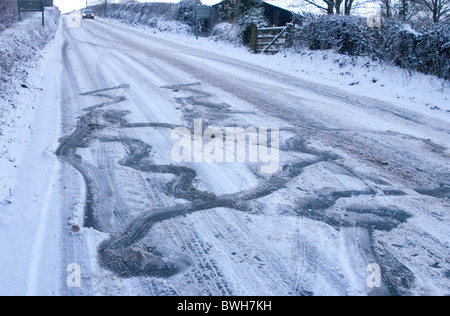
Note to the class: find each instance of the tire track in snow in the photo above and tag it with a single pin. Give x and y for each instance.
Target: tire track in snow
(119, 253)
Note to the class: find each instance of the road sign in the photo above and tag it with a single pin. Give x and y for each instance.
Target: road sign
(204, 12)
(48, 3)
(33, 6)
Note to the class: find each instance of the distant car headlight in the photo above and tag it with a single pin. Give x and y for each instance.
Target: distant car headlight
(84, 14)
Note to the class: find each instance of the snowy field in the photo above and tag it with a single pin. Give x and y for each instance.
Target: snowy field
(88, 178)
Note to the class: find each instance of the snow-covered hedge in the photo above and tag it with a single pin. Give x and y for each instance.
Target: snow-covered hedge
(227, 32)
(20, 46)
(8, 13)
(427, 51)
(158, 16)
(186, 11)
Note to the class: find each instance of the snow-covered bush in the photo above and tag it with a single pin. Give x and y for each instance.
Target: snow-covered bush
(432, 51)
(253, 16)
(138, 13)
(8, 13)
(186, 11)
(247, 14)
(341, 33)
(227, 32)
(159, 16)
(427, 51)
(171, 26)
(20, 47)
(22, 43)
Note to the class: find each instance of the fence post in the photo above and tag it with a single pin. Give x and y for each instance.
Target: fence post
(18, 9)
(43, 14)
(289, 35)
(254, 37)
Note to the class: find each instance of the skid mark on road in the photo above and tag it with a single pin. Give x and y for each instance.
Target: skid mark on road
(112, 98)
(96, 187)
(124, 253)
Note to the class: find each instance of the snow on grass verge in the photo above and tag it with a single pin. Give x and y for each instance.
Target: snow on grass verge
(21, 50)
(29, 213)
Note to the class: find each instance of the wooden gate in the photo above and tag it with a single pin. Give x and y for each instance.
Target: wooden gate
(269, 40)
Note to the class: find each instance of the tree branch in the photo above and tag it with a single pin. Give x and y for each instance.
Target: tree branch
(317, 5)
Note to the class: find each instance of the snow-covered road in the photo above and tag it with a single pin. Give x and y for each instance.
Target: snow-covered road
(359, 180)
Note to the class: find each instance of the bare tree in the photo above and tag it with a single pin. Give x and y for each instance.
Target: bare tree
(406, 10)
(395, 8)
(403, 10)
(386, 8)
(348, 6)
(338, 5)
(439, 9)
(98, 2)
(333, 6)
(327, 6)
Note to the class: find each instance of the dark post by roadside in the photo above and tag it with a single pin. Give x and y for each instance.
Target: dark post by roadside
(254, 36)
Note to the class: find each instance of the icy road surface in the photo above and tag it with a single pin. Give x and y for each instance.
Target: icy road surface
(360, 181)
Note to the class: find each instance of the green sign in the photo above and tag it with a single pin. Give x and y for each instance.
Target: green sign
(48, 3)
(31, 5)
(204, 12)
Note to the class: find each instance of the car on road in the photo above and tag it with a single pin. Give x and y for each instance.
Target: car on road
(88, 14)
